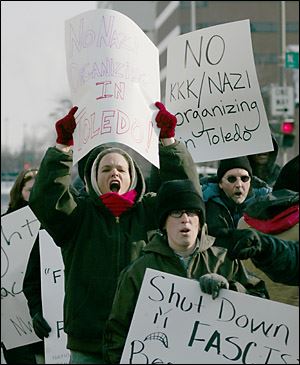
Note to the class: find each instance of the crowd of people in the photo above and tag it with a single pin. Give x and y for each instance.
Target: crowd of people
(110, 227)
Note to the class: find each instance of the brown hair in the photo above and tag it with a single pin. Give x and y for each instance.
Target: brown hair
(16, 200)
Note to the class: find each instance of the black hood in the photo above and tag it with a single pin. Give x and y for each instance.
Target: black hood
(272, 160)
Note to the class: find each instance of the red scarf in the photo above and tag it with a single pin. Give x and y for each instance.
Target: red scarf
(117, 203)
(279, 223)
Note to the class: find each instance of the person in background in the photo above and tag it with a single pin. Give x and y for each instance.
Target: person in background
(277, 214)
(99, 233)
(21, 189)
(264, 164)
(32, 280)
(226, 199)
(19, 197)
(181, 247)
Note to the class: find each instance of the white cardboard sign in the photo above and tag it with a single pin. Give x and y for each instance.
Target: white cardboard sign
(213, 90)
(174, 322)
(113, 73)
(52, 279)
(19, 230)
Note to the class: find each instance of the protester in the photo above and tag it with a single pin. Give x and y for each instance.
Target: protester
(19, 196)
(99, 233)
(227, 198)
(276, 214)
(181, 247)
(277, 258)
(264, 164)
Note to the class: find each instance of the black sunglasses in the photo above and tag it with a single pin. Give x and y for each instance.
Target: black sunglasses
(232, 179)
(178, 213)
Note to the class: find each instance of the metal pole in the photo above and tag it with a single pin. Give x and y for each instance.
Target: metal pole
(193, 16)
(282, 66)
(283, 42)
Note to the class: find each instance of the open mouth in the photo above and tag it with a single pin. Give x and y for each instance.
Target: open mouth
(184, 230)
(114, 186)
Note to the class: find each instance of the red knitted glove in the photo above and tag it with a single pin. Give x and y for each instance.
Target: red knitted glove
(65, 128)
(165, 121)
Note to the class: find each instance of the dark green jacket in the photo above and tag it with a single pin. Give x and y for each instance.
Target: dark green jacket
(208, 258)
(95, 245)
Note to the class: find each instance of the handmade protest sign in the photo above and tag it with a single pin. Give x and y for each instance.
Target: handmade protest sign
(174, 322)
(52, 281)
(19, 230)
(213, 90)
(113, 73)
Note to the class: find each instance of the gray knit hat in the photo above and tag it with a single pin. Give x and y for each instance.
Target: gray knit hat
(177, 195)
(233, 163)
(96, 163)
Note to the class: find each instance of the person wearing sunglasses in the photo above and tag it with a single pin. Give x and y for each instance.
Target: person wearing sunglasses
(180, 247)
(227, 198)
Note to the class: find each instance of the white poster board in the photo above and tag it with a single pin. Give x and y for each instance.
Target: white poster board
(19, 230)
(174, 322)
(213, 90)
(113, 73)
(52, 281)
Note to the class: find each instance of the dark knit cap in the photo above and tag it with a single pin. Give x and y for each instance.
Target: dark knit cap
(177, 195)
(233, 163)
(288, 177)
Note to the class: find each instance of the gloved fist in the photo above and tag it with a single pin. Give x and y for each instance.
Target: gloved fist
(65, 128)
(40, 326)
(165, 121)
(244, 244)
(212, 283)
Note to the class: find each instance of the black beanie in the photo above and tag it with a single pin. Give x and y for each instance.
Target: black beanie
(233, 163)
(177, 195)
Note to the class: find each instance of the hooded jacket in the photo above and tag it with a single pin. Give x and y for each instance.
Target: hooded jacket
(269, 171)
(157, 255)
(95, 245)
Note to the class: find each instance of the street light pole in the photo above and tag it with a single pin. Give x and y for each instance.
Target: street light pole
(193, 16)
(282, 56)
(282, 43)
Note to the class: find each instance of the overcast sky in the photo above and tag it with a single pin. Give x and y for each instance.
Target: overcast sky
(33, 66)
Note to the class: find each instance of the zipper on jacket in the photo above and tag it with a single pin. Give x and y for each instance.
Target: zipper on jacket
(117, 219)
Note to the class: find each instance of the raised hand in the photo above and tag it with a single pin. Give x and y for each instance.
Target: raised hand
(165, 121)
(65, 128)
(244, 244)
